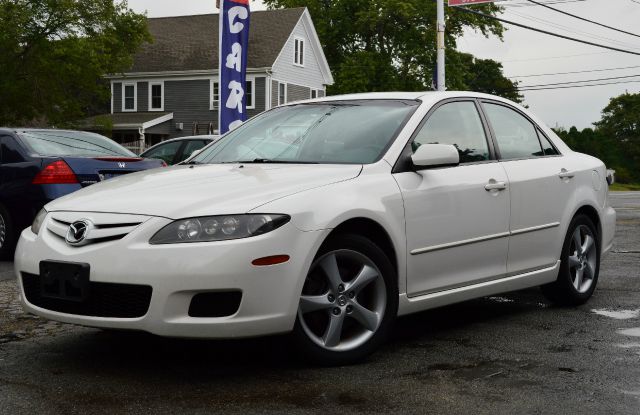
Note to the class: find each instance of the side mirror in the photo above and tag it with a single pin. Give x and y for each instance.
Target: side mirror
(435, 155)
(194, 152)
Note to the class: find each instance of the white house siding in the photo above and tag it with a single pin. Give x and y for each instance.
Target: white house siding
(284, 69)
(297, 93)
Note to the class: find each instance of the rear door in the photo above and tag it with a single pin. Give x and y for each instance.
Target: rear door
(541, 184)
(457, 218)
(17, 170)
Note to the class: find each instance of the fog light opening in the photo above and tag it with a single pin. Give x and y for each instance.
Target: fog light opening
(270, 260)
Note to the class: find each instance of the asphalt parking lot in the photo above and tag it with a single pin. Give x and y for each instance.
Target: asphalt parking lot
(512, 353)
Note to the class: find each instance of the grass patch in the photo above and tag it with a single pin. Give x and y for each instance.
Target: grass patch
(622, 187)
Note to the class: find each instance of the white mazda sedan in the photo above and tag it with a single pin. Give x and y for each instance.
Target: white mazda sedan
(327, 218)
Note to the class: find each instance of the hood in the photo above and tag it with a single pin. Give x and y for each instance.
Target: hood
(184, 191)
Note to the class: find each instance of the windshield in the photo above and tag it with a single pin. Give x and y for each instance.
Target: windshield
(72, 143)
(349, 132)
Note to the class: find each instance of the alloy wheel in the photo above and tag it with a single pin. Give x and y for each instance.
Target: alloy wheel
(582, 258)
(3, 231)
(343, 300)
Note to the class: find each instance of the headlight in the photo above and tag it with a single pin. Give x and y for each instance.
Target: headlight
(37, 222)
(217, 228)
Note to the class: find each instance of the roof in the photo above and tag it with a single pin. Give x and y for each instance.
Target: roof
(128, 120)
(187, 43)
(424, 96)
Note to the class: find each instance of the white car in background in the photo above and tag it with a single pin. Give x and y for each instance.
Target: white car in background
(176, 150)
(327, 218)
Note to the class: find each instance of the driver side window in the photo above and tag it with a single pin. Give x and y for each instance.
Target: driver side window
(458, 124)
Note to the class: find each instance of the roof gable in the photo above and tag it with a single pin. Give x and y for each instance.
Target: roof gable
(187, 43)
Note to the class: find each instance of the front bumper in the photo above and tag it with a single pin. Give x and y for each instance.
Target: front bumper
(178, 272)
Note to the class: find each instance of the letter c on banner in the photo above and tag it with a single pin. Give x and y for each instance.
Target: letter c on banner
(237, 11)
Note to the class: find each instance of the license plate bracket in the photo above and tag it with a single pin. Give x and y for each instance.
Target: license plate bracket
(64, 280)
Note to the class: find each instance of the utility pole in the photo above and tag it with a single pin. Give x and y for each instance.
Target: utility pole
(440, 82)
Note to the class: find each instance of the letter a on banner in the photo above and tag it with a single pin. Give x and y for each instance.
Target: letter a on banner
(234, 42)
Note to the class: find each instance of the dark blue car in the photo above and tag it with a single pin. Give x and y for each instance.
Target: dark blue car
(37, 166)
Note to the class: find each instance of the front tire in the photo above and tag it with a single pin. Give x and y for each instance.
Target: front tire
(579, 266)
(349, 301)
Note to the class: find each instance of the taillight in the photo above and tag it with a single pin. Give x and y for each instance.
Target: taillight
(57, 172)
(164, 164)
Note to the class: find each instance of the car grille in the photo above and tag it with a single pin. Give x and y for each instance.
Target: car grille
(106, 227)
(105, 299)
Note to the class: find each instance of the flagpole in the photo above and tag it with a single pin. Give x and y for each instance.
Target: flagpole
(440, 82)
(219, 6)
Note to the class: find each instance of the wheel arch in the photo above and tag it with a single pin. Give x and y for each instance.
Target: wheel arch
(371, 230)
(593, 214)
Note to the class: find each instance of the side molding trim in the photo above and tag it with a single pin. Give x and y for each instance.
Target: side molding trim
(484, 238)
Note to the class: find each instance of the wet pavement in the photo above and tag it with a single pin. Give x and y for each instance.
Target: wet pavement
(512, 353)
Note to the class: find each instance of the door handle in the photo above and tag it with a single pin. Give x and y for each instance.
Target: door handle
(565, 174)
(493, 185)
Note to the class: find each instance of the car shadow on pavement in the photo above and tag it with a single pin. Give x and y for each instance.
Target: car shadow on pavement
(142, 354)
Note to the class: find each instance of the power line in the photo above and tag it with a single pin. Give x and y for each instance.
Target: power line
(577, 82)
(466, 10)
(548, 2)
(572, 30)
(575, 72)
(544, 58)
(581, 18)
(578, 86)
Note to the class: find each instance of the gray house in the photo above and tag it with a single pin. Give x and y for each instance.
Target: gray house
(172, 87)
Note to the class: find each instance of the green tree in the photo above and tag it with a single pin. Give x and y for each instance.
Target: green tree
(616, 138)
(485, 75)
(621, 124)
(383, 45)
(56, 52)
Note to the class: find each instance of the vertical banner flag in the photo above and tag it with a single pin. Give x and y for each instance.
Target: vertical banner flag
(234, 42)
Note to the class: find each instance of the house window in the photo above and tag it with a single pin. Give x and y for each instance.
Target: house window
(314, 93)
(298, 52)
(282, 93)
(248, 94)
(129, 101)
(215, 94)
(156, 96)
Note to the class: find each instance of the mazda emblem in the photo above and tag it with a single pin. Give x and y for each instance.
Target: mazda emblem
(122, 164)
(77, 233)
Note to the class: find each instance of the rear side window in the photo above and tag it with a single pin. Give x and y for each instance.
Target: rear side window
(547, 147)
(9, 150)
(459, 124)
(516, 136)
(72, 144)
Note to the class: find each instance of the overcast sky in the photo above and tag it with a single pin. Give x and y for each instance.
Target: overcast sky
(527, 53)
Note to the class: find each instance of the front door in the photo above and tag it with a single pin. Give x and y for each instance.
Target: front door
(457, 218)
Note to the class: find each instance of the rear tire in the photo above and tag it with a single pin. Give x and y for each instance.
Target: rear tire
(349, 302)
(579, 266)
(7, 235)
